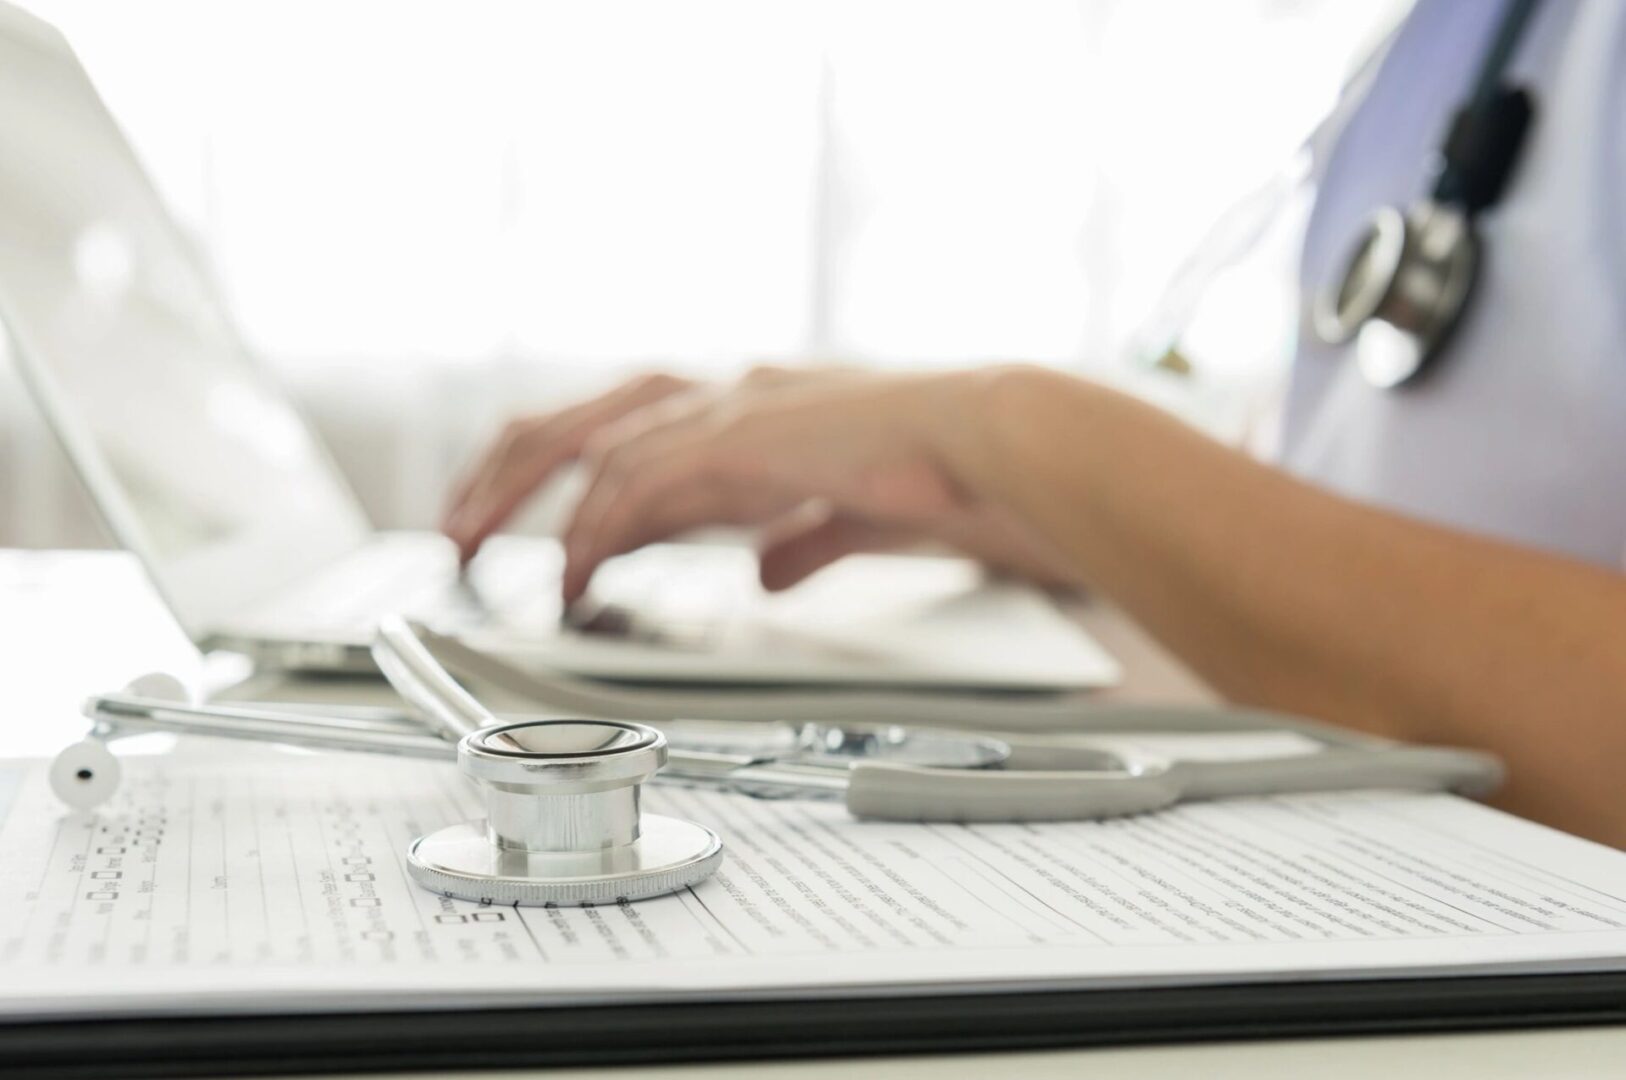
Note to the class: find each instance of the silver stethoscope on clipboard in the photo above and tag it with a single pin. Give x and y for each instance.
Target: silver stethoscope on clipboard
(563, 820)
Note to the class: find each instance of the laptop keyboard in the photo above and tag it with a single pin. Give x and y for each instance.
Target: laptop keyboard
(673, 596)
(669, 596)
(351, 596)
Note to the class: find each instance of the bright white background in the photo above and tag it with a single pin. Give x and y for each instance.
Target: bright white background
(428, 214)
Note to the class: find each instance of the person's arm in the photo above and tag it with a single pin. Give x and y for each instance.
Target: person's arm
(1277, 592)
(1284, 595)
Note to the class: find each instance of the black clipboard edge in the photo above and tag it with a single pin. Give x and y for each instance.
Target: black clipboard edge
(265, 1045)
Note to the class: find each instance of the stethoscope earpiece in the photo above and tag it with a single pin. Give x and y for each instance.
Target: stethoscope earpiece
(86, 774)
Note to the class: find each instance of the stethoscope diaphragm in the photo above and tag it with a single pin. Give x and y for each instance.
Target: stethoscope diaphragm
(1403, 289)
(563, 823)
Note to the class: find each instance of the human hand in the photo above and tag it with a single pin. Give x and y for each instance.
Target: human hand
(531, 449)
(829, 462)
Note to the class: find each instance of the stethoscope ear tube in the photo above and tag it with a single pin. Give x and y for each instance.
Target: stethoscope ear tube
(423, 683)
(1391, 768)
(895, 792)
(911, 793)
(580, 776)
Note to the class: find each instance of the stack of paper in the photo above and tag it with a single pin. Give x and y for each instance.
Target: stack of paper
(273, 880)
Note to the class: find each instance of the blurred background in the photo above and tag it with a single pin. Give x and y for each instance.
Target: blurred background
(429, 215)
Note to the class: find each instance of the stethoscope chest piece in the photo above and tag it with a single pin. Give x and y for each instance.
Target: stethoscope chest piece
(1402, 291)
(563, 824)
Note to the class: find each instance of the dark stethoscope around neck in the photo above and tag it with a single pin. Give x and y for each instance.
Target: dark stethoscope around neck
(1404, 286)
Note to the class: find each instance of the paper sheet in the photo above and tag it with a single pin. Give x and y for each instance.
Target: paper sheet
(277, 881)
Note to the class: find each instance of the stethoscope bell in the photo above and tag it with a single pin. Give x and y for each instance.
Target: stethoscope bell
(1402, 291)
(563, 824)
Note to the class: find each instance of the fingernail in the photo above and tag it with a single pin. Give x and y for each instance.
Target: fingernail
(572, 561)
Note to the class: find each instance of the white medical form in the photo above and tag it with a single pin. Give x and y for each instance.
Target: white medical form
(267, 877)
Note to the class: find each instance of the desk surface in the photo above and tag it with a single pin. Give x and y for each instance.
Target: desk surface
(75, 623)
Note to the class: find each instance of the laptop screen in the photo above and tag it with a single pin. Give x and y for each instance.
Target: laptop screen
(199, 462)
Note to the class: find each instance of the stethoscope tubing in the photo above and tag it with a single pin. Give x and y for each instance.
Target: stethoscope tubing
(886, 790)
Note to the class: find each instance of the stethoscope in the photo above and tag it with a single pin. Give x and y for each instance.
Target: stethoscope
(1407, 281)
(563, 822)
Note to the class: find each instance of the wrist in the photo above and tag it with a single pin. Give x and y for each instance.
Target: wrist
(990, 421)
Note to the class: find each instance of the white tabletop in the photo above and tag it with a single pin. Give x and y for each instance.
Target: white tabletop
(76, 623)
(1551, 1055)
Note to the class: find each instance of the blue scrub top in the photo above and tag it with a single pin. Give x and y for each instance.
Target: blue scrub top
(1520, 430)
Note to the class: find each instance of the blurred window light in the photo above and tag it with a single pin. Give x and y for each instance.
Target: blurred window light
(707, 180)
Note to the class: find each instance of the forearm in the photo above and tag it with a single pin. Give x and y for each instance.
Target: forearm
(1284, 595)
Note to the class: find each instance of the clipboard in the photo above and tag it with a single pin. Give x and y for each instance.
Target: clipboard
(787, 1027)
(1512, 925)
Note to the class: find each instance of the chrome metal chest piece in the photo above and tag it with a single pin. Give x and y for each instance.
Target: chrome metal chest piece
(1407, 282)
(563, 823)
(1403, 291)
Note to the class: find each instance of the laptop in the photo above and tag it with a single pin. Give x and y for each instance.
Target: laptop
(202, 465)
